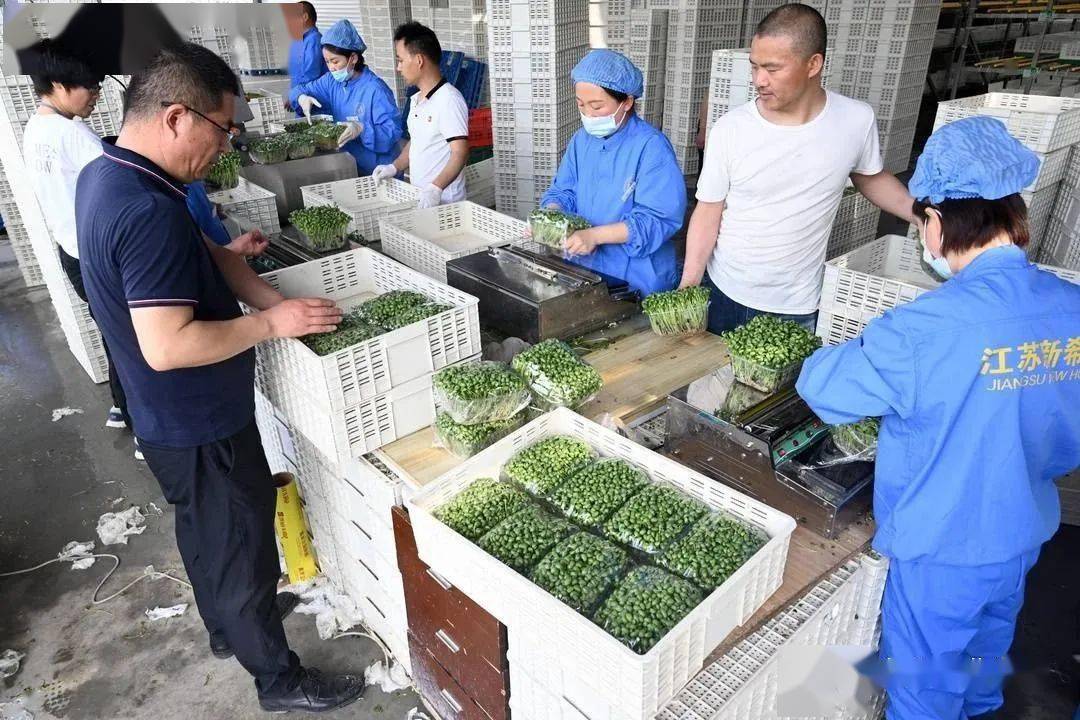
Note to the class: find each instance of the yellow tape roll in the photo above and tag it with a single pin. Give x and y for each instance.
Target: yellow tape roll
(292, 530)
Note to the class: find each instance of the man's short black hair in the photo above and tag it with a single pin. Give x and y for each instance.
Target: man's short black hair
(188, 74)
(419, 40)
(802, 23)
(53, 65)
(310, 10)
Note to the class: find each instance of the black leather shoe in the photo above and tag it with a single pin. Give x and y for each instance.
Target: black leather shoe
(219, 644)
(316, 693)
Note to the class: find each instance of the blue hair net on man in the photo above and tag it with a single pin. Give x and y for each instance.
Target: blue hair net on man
(972, 158)
(609, 70)
(342, 34)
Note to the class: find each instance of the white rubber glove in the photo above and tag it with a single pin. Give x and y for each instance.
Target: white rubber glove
(430, 197)
(384, 172)
(353, 128)
(305, 102)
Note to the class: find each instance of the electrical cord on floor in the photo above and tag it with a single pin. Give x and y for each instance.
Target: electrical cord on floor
(385, 650)
(152, 574)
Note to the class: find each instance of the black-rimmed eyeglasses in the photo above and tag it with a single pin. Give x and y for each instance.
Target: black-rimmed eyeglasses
(230, 133)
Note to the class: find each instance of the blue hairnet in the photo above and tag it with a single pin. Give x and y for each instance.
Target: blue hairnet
(972, 158)
(609, 70)
(342, 34)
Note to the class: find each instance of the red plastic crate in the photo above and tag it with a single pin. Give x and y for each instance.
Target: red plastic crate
(480, 127)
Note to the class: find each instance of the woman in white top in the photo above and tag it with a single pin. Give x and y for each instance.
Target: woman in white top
(57, 145)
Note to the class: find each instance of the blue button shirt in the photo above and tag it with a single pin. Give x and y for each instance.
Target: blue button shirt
(632, 177)
(365, 98)
(139, 247)
(978, 384)
(205, 215)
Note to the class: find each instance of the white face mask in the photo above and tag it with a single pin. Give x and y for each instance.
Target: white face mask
(939, 264)
(601, 126)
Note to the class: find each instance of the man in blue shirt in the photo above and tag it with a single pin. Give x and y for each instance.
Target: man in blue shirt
(166, 301)
(306, 61)
(205, 213)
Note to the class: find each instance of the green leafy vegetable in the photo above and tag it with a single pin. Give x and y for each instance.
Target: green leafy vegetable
(524, 538)
(543, 465)
(301, 145)
(350, 331)
(580, 570)
(464, 441)
(269, 150)
(323, 225)
(595, 492)
(653, 518)
(415, 314)
(556, 375)
(481, 506)
(857, 439)
(225, 172)
(645, 606)
(383, 309)
(326, 135)
(552, 227)
(766, 353)
(678, 312)
(713, 550)
(480, 392)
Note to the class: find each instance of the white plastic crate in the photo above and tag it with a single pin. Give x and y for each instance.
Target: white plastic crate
(426, 240)
(855, 224)
(364, 199)
(1044, 124)
(28, 264)
(252, 202)
(1061, 246)
(876, 277)
(370, 368)
(567, 652)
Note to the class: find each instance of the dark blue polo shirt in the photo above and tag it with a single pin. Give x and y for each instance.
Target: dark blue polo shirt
(139, 247)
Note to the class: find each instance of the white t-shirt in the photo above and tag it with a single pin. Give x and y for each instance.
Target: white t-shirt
(56, 150)
(781, 186)
(434, 121)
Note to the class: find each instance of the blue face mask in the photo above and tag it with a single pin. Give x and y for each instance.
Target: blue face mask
(940, 265)
(341, 75)
(602, 126)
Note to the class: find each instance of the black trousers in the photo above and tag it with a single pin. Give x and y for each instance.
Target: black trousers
(74, 273)
(224, 497)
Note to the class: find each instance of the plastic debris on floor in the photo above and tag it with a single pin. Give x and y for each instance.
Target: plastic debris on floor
(114, 528)
(75, 549)
(64, 412)
(334, 612)
(163, 613)
(9, 663)
(416, 714)
(390, 680)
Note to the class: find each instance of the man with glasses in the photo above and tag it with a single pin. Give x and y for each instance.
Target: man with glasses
(166, 301)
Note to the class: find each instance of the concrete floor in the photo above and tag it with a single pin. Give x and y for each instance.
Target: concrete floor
(87, 662)
(95, 663)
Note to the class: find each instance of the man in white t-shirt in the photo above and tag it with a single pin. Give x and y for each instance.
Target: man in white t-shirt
(774, 173)
(438, 121)
(57, 145)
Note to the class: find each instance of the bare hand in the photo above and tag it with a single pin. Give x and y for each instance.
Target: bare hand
(581, 242)
(302, 316)
(250, 244)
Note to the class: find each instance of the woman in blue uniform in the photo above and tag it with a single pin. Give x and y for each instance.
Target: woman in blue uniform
(620, 174)
(977, 384)
(353, 94)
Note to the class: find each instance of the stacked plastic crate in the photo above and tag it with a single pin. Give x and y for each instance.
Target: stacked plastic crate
(730, 83)
(880, 51)
(19, 104)
(1049, 126)
(647, 48)
(1061, 243)
(609, 24)
(215, 39)
(261, 50)
(462, 27)
(18, 236)
(376, 22)
(347, 508)
(695, 30)
(534, 45)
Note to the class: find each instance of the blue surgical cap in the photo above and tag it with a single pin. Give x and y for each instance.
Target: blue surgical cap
(609, 70)
(972, 158)
(342, 34)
